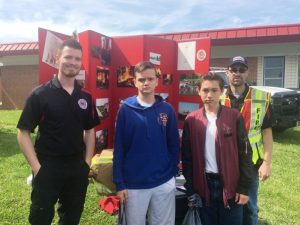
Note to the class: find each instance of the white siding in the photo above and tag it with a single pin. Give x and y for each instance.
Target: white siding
(19, 60)
(281, 49)
(291, 72)
(260, 70)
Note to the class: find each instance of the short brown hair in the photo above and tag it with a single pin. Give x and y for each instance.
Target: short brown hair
(211, 76)
(72, 43)
(144, 65)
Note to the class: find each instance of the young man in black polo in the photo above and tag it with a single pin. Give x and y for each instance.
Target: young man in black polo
(60, 158)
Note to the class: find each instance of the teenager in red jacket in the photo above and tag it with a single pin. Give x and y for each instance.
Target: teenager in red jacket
(216, 156)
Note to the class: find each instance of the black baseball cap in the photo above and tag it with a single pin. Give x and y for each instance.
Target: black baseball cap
(238, 60)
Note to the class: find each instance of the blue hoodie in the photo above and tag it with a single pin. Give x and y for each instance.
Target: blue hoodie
(146, 147)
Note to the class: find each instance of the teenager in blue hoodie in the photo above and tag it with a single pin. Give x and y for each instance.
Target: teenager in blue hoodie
(146, 153)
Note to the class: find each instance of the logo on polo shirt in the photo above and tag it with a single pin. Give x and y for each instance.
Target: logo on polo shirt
(82, 103)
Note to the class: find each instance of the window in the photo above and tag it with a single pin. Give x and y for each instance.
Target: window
(274, 71)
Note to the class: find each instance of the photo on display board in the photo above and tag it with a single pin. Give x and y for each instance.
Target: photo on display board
(101, 140)
(188, 84)
(125, 77)
(102, 77)
(167, 79)
(102, 107)
(103, 52)
(158, 72)
(52, 43)
(184, 108)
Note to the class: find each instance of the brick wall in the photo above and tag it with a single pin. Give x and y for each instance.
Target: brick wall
(17, 82)
(252, 64)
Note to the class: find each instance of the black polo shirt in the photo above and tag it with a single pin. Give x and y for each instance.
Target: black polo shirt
(61, 118)
(237, 103)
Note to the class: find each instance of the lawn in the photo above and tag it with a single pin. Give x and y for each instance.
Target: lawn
(279, 197)
(15, 193)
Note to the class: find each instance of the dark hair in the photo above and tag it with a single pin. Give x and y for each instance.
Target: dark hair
(72, 43)
(144, 65)
(211, 76)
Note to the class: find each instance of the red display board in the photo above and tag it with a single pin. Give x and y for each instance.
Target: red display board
(107, 71)
(192, 62)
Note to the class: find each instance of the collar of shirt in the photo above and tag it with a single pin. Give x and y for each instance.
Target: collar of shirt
(57, 84)
(242, 96)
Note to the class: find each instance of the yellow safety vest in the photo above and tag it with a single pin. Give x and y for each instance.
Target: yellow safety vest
(253, 111)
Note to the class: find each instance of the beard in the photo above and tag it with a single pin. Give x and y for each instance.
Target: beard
(70, 75)
(237, 83)
(70, 72)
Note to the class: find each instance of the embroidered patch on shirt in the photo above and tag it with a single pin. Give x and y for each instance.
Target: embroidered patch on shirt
(227, 130)
(164, 118)
(82, 103)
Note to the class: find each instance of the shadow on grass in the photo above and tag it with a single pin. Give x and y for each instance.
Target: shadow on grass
(290, 136)
(263, 222)
(8, 145)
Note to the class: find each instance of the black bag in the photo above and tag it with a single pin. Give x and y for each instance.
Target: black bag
(122, 215)
(192, 217)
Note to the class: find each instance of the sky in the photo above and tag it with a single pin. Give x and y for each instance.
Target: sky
(20, 19)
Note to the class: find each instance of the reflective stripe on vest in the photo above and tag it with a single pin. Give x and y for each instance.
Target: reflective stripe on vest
(253, 111)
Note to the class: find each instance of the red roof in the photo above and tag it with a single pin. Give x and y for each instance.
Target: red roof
(230, 36)
(26, 48)
(246, 35)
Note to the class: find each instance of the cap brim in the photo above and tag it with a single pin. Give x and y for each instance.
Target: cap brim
(238, 62)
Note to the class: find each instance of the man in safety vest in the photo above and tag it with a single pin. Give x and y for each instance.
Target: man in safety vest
(254, 106)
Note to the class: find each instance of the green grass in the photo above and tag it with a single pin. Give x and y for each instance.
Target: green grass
(15, 193)
(279, 196)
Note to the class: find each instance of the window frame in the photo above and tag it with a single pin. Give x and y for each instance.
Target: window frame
(282, 68)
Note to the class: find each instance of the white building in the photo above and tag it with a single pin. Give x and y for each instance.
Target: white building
(273, 52)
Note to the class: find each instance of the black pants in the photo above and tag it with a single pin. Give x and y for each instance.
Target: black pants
(62, 180)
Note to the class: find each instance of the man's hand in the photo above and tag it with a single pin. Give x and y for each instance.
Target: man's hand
(27, 148)
(264, 171)
(122, 195)
(36, 169)
(241, 199)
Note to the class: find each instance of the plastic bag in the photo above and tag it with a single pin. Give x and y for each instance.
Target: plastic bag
(192, 217)
(122, 215)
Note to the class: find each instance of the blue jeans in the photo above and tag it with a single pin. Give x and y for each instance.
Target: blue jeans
(250, 216)
(216, 213)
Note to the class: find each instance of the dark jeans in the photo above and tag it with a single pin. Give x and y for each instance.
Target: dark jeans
(251, 209)
(59, 180)
(216, 213)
